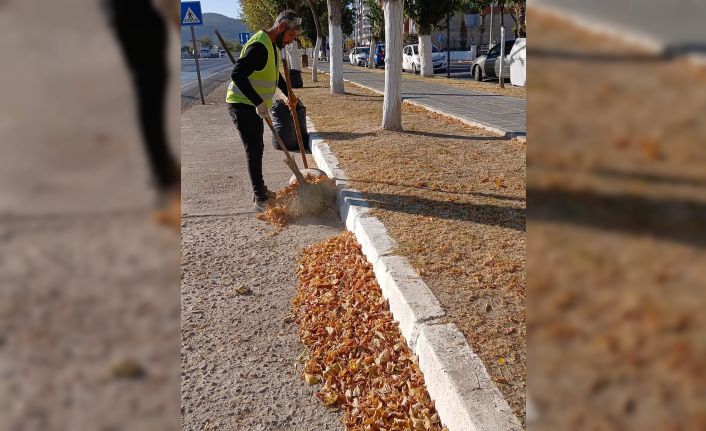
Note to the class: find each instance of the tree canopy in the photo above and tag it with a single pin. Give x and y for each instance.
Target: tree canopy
(428, 13)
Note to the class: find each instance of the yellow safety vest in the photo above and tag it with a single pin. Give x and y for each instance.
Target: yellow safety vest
(263, 81)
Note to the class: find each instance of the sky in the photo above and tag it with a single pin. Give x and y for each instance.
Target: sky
(229, 8)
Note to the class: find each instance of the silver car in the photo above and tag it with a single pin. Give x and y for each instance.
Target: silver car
(488, 66)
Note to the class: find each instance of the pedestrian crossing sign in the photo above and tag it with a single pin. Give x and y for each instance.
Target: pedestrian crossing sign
(191, 13)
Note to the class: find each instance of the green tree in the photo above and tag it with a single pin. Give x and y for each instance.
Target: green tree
(347, 18)
(377, 26)
(206, 42)
(480, 7)
(261, 14)
(516, 9)
(427, 14)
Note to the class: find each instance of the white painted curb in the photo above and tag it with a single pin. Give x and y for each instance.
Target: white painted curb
(464, 394)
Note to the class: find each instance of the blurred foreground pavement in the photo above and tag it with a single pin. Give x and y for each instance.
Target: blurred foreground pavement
(89, 296)
(616, 234)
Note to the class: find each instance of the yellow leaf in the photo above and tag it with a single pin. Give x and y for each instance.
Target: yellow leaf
(312, 379)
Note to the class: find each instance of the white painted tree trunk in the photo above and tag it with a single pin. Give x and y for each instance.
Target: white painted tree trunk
(315, 61)
(335, 58)
(392, 101)
(426, 66)
(294, 56)
(502, 57)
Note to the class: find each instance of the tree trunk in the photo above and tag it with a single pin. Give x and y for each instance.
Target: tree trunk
(371, 52)
(294, 56)
(481, 29)
(523, 18)
(513, 15)
(502, 45)
(315, 60)
(426, 64)
(335, 46)
(392, 102)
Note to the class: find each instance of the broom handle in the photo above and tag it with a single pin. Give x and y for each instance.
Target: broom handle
(289, 160)
(293, 110)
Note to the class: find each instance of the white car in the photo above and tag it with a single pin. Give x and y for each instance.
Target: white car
(359, 56)
(411, 61)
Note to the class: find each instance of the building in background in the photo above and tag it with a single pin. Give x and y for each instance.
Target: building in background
(361, 30)
(464, 29)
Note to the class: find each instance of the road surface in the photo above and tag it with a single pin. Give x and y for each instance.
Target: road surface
(675, 26)
(209, 67)
(214, 71)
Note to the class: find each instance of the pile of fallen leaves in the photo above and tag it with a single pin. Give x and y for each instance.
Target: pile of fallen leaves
(287, 205)
(355, 348)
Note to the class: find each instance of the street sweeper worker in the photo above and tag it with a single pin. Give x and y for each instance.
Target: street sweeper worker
(254, 80)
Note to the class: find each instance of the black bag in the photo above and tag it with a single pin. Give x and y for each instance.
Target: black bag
(282, 121)
(295, 77)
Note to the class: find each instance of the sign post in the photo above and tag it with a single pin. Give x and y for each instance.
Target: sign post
(191, 15)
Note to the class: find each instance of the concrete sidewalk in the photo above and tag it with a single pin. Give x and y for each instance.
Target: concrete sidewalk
(240, 351)
(503, 114)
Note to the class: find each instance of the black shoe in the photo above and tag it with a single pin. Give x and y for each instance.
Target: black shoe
(262, 204)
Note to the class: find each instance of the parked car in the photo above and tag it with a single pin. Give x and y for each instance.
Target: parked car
(411, 61)
(359, 55)
(205, 53)
(221, 53)
(378, 56)
(518, 62)
(488, 67)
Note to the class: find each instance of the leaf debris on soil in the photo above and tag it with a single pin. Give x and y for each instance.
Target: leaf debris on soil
(355, 348)
(452, 197)
(288, 205)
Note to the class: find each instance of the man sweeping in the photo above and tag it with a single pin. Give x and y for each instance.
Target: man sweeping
(254, 80)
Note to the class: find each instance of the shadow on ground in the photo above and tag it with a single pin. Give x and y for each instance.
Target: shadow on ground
(507, 217)
(667, 219)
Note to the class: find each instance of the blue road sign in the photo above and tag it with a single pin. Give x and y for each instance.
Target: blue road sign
(191, 13)
(244, 38)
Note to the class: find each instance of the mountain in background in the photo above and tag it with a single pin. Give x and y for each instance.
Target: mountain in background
(228, 27)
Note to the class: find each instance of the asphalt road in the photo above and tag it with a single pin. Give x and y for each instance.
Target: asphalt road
(458, 70)
(675, 26)
(214, 71)
(208, 66)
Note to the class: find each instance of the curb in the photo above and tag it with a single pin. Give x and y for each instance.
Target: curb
(493, 129)
(465, 396)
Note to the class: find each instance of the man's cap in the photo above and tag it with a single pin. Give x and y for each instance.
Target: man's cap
(290, 18)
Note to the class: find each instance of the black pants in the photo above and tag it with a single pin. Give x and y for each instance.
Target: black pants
(135, 22)
(251, 128)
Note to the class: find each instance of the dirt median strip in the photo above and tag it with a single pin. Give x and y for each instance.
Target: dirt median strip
(452, 198)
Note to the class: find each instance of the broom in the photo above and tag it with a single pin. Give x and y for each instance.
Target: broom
(312, 198)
